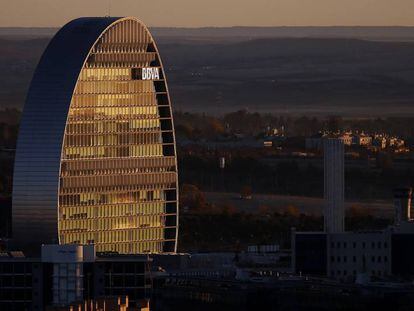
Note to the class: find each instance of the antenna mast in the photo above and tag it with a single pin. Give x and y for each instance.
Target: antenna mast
(109, 8)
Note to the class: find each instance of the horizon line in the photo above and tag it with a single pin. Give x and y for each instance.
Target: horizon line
(247, 26)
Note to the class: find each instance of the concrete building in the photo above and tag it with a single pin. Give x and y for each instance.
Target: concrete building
(362, 140)
(95, 159)
(380, 142)
(359, 256)
(395, 142)
(120, 303)
(67, 274)
(346, 139)
(402, 204)
(334, 185)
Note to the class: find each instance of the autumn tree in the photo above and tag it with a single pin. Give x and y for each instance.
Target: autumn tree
(191, 197)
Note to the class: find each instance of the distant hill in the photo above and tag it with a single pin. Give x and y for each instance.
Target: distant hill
(280, 75)
(357, 32)
(316, 76)
(368, 33)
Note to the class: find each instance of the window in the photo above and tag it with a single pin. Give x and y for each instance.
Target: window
(136, 74)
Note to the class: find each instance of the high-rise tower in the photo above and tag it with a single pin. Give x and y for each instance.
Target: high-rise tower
(96, 160)
(334, 185)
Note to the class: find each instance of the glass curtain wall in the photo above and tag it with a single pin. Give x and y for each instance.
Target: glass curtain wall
(118, 168)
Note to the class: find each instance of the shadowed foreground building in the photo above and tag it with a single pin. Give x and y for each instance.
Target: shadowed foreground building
(69, 275)
(96, 160)
(360, 256)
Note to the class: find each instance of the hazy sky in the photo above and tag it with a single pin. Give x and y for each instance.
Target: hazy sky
(190, 13)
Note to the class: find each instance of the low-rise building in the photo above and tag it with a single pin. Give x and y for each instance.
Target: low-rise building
(346, 139)
(120, 303)
(361, 255)
(380, 142)
(362, 140)
(65, 274)
(395, 142)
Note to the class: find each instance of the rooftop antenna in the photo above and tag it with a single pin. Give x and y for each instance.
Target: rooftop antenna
(109, 9)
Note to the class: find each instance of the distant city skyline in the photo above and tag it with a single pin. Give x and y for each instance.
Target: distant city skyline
(188, 13)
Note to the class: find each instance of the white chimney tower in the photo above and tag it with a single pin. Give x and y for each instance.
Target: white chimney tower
(334, 185)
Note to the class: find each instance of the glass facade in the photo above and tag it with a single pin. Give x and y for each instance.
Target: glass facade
(117, 183)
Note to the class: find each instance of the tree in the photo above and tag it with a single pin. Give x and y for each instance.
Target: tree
(184, 130)
(264, 210)
(356, 211)
(192, 198)
(214, 127)
(292, 211)
(334, 123)
(384, 161)
(228, 209)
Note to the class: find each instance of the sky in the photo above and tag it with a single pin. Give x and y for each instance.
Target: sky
(201, 13)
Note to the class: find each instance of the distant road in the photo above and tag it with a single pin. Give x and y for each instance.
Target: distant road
(306, 205)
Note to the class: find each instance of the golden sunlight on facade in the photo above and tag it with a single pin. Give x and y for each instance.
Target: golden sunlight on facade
(117, 182)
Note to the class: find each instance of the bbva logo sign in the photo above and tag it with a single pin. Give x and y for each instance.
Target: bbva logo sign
(150, 73)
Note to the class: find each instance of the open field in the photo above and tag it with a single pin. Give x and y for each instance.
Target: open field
(279, 203)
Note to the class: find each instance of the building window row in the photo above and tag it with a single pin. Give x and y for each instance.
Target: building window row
(113, 164)
(345, 245)
(114, 127)
(90, 198)
(83, 140)
(344, 259)
(107, 188)
(114, 100)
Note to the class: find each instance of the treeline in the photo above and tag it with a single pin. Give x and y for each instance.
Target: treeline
(197, 126)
